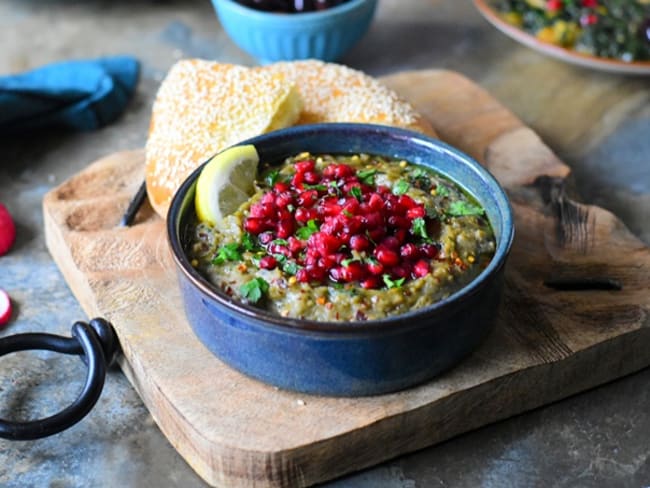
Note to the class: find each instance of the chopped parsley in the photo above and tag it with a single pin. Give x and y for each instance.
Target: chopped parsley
(390, 283)
(290, 267)
(464, 209)
(272, 177)
(248, 242)
(401, 187)
(280, 242)
(367, 176)
(307, 186)
(442, 191)
(305, 232)
(355, 191)
(254, 290)
(419, 228)
(227, 252)
(420, 178)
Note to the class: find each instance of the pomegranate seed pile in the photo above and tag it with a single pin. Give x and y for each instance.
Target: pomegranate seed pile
(337, 225)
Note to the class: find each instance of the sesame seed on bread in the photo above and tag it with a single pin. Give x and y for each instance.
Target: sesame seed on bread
(336, 93)
(203, 107)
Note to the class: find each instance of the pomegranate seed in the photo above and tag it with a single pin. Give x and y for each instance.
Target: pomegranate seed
(307, 198)
(278, 249)
(255, 226)
(265, 238)
(295, 245)
(326, 262)
(311, 177)
(281, 186)
(286, 228)
(297, 180)
(406, 202)
(352, 272)
(401, 271)
(351, 206)
(399, 222)
(416, 212)
(371, 283)
(421, 268)
(268, 262)
(359, 242)
(377, 234)
(316, 273)
(391, 243)
(304, 215)
(386, 256)
(336, 274)
(409, 251)
(373, 220)
(268, 199)
(375, 202)
(401, 235)
(284, 199)
(305, 166)
(343, 170)
(283, 214)
(302, 276)
(375, 267)
(429, 250)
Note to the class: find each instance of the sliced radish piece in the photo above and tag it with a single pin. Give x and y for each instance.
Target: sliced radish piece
(5, 307)
(7, 230)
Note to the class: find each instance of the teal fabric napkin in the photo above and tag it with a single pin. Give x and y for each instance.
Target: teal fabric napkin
(77, 95)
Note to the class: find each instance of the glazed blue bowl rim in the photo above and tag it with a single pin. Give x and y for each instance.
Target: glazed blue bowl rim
(396, 322)
(297, 18)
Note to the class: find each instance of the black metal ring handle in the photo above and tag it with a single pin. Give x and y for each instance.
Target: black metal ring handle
(97, 344)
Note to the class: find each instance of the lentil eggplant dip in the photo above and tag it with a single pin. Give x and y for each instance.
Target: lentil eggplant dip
(346, 238)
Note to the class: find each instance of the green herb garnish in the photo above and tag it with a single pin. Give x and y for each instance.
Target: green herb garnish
(280, 258)
(254, 290)
(305, 232)
(442, 191)
(347, 213)
(419, 228)
(280, 242)
(335, 185)
(291, 267)
(390, 283)
(420, 178)
(248, 242)
(401, 187)
(355, 191)
(464, 209)
(227, 252)
(272, 177)
(367, 176)
(307, 186)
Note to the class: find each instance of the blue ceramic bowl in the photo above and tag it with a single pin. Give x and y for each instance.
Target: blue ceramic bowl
(270, 36)
(348, 359)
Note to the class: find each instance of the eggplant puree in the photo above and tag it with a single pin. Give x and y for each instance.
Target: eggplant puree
(346, 238)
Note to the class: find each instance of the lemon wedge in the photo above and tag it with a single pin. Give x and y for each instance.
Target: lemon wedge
(225, 182)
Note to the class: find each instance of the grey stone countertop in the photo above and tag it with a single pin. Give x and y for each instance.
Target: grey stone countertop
(598, 123)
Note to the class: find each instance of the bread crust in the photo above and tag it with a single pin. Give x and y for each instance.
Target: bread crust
(199, 111)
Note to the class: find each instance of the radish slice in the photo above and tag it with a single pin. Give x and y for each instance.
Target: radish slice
(5, 307)
(7, 230)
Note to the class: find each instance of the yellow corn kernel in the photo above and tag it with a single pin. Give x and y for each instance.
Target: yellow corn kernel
(293, 280)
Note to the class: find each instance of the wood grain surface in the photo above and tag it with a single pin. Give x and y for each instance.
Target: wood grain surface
(574, 314)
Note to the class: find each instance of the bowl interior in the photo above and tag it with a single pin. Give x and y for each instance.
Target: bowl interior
(353, 139)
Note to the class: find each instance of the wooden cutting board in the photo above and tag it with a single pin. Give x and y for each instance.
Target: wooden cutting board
(551, 340)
